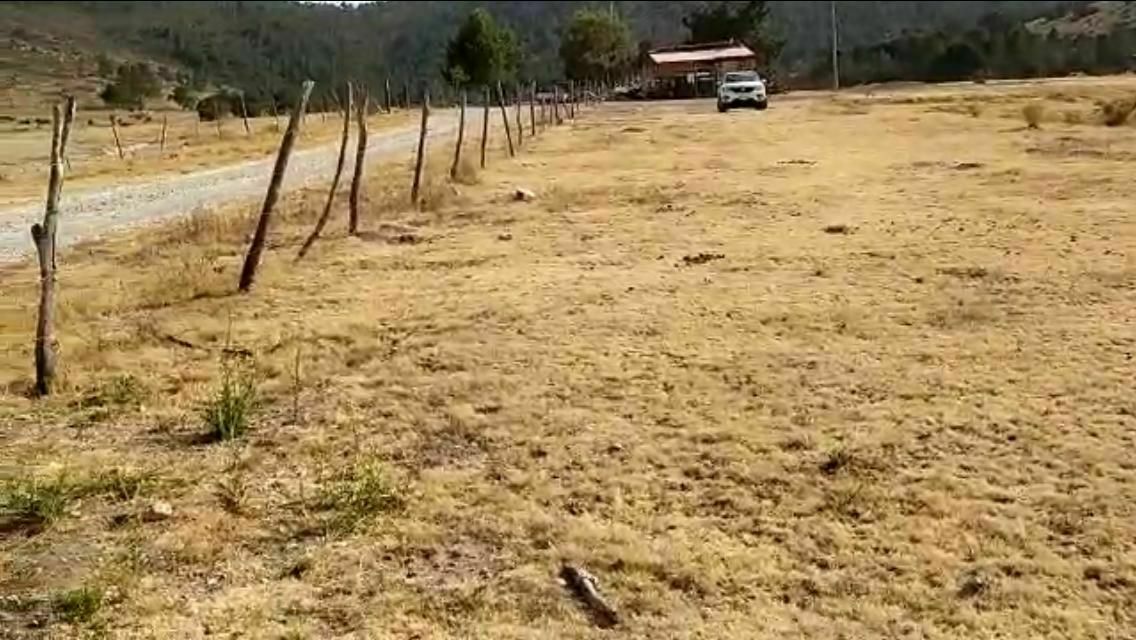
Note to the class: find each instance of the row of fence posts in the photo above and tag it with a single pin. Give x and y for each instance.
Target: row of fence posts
(545, 110)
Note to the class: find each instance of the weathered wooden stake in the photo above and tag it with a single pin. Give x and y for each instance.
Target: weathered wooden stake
(275, 114)
(252, 260)
(245, 116)
(520, 122)
(461, 137)
(117, 141)
(505, 119)
(322, 222)
(484, 125)
(406, 95)
(418, 162)
(572, 99)
(556, 105)
(68, 120)
(532, 110)
(360, 160)
(44, 237)
(387, 95)
(162, 137)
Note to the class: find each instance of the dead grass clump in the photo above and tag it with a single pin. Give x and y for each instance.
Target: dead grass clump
(467, 172)
(205, 228)
(1115, 113)
(194, 275)
(974, 109)
(1073, 117)
(1033, 113)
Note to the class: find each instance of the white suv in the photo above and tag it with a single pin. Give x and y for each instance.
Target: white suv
(742, 88)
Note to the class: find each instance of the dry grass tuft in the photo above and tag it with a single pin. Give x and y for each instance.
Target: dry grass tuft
(1115, 113)
(467, 172)
(1034, 113)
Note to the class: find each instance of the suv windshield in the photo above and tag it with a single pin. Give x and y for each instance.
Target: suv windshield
(741, 76)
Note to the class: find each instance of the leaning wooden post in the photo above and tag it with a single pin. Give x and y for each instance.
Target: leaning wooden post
(360, 159)
(556, 104)
(117, 141)
(252, 260)
(461, 137)
(505, 119)
(484, 125)
(532, 109)
(162, 137)
(418, 162)
(405, 95)
(245, 115)
(44, 237)
(520, 121)
(572, 99)
(387, 95)
(322, 222)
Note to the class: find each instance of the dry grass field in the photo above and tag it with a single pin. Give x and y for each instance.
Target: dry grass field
(856, 367)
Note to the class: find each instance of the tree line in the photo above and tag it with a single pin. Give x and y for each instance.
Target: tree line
(262, 51)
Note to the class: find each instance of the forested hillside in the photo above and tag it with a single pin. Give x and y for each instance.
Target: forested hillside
(266, 48)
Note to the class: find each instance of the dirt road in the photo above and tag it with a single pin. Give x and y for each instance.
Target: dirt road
(92, 213)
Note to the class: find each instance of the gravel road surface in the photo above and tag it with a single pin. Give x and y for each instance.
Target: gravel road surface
(87, 214)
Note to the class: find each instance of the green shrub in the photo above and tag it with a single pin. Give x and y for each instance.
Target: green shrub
(358, 493)
(78, 605)
(35, 501)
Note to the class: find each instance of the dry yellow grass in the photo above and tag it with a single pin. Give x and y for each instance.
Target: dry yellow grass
(810, 373)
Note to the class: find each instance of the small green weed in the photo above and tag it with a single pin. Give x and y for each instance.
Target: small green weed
(35, 501)
(78, 605)
(228, 411)
(123, 484)
(358, 493)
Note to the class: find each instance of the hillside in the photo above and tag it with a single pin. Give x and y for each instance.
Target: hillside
(266, 48)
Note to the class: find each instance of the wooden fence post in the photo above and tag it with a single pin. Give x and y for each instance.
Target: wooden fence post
(245, 115)
(572, 99)
(420, 160)
(484, 125)
(520, 121)
(532, 110)
(117, 141)
(252, 260)
(322, 222)
(275, 114)
(505, 119)
(405, 95)
(44, 237)
(162, 138)
(461, 137)
(556, 104)
(387, 94)
(360, 160)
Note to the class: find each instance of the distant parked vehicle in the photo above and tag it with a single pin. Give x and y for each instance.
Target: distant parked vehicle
(742, 89)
